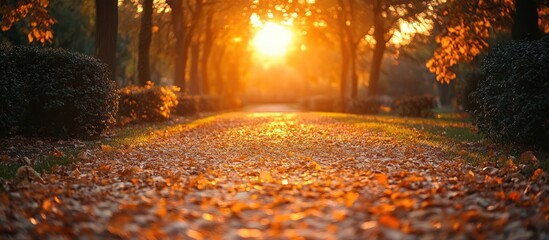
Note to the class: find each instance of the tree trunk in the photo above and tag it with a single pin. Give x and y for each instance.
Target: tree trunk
(375, 70)
(180, 51)
(207, 49)
(354, 76)
(219, 79)
(379, 49)
(195, 88)
(525, 25)
(145, 37)
(344, 72)
(106, 30)
(343, 49)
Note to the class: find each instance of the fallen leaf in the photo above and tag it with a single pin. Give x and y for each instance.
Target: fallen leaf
(56, 153)
(368, 225)
(249, 233)
(28, 173)
(5, 158)
(350, 198)
(382, 179)
(537, 174)
(513, 196)
(265, 176)
(529, 158)
(83, 155)
(389, 221)
(106, 148)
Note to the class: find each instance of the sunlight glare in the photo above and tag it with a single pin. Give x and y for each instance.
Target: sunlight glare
(272, 40)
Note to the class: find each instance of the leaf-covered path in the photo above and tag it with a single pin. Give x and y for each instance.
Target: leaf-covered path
(277, 176)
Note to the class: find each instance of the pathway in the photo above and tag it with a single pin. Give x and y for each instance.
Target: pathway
(277, 176)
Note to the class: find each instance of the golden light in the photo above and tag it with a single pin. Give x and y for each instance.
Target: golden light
(405, 34)
(272, 40)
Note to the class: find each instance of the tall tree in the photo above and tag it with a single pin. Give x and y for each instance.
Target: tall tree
(145, 37)
(387, 15)
(525, 21)
(195, 85)
(106, 32)
(346, 19)
(210, 33)
(185, 18)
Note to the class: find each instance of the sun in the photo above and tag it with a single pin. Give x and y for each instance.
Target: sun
(272, 40)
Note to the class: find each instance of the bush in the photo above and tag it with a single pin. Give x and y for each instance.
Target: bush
(209, 103)
(418, 106)
(57, 92)
(231, 103)
(187, 105)
(148, 103)
(513, 99)
(318, 103)
(471, 83)
(321, 103)
(363, 106)
(11, 98)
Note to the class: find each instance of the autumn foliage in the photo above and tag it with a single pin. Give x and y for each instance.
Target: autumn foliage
(63, 93)
(467, 26)
(148, 103)
(36, 14)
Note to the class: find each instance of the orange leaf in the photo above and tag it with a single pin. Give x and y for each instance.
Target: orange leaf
(389, 221)
(537, 174)
(106, 148)
(57, 154)
(46, 205)
(265, 177)
(350, 198)
(514, 196)
(382, 178)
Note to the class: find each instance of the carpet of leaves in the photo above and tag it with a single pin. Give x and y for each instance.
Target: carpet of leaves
(276, 176)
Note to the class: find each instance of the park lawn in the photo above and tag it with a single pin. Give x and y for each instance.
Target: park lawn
(121, 137)
(453, 134)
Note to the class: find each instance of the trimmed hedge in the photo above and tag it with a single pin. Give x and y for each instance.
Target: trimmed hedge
(209, 103)
(54, 92)
(512, 102)
(363, 106)
(11, 98)
(418, 106)
(148, 103)
(187, 105)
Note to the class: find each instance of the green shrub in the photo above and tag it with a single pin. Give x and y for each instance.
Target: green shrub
(231, 103)
(418, 106)
(303, 103)
(11, 98)
(65, 94)
(471, 83)
(148, 103)
(513, 99)
(187, 105)
(318, 103)
(209, 103)
(363, 106)
(321, 103)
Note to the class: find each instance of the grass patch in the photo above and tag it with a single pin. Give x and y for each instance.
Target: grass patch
(142, 133)
(124, 137)
(8, 170)
(44, 164)
(451, 133)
